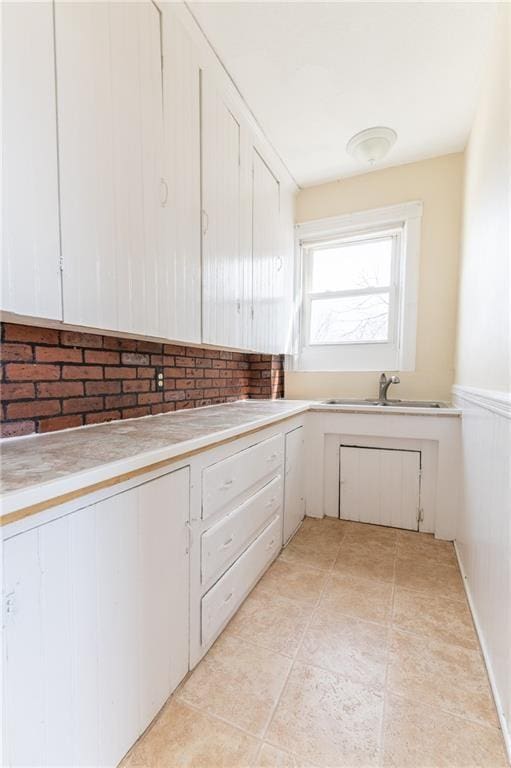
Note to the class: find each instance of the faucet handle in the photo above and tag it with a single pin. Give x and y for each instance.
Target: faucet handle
(395, 379)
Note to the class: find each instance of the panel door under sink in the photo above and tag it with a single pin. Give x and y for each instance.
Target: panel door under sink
(380, 486)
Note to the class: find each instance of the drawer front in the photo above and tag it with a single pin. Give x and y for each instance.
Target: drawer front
(222, 543)
(238, 476)
(223, 599)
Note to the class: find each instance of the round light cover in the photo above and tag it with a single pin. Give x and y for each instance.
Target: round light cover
(371, 145)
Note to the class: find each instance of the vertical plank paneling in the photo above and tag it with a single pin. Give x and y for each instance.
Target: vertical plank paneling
(23, 691)
(222, 277)
(117, 520)
(83, 577)
(379, 486)
(86, 139)
(111, 162)
(96, 626)
(267, 262)
(483, 536)
(155, 573)
(294, 484)
(56, 668)
(30, 232)
(180, 296)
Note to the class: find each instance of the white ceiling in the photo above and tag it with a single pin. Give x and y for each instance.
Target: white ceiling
(315, 73)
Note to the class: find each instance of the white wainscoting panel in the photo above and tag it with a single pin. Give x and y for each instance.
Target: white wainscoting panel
(483, 539)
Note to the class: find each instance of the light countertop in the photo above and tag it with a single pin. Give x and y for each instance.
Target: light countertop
(40, 468)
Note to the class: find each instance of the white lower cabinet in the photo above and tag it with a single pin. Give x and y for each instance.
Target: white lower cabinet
(381, 486)
(294, 487)
(107, 606)
(95, 625)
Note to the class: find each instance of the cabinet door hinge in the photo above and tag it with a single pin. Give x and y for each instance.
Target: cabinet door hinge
(61, 263)
(420, 514)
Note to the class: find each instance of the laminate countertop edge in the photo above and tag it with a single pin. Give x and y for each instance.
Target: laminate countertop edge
(21, 503)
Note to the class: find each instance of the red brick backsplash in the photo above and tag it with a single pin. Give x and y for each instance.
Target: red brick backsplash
(53, 379)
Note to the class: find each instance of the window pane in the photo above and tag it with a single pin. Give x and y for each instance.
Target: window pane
(366, 264)
(350, 319)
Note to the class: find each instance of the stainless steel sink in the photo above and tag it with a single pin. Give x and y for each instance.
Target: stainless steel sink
(395, 403)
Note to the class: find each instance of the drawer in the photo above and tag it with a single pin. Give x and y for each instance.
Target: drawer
(222, 543)
(237, 477)
(223, 599)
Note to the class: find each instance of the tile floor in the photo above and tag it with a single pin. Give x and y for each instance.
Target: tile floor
(355, 649)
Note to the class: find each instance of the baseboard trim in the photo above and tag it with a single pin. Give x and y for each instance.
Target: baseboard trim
(498, 702)
(492, 400)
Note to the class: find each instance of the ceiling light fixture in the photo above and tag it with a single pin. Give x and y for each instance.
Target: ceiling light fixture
(371, 145)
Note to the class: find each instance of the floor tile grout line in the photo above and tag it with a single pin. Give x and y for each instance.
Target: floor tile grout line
(391, 626)
(447, 711)
(294, 659)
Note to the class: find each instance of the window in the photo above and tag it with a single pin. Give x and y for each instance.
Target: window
(358, 291)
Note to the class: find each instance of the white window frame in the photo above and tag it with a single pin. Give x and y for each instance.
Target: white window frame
(403, 222)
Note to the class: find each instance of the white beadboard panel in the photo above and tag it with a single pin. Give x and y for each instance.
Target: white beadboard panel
(379, 486)
(84, 607)
(30, 214)
(483, 539)
(96, 635)
(116, 580)
(162, 541)
(294, 484)
(56, 667)
(268, 265)
(222, 274)
(23, 692)
(180, 286)
(109, 95)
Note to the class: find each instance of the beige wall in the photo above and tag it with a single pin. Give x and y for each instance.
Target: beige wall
(438, 183)
(483, 352)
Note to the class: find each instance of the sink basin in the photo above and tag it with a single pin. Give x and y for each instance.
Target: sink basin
(395, 403)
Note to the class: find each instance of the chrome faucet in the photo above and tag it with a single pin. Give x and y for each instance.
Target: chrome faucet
(384, 386)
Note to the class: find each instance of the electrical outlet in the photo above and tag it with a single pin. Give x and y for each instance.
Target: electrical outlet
(158, 377)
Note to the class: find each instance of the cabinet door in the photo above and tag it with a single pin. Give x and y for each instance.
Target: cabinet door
(180, 297)
(222, 264)
(380, 486)
(163, 515)
(267, 263)
(95, 626)
(30, 232)
(294, 488)
(110, 150)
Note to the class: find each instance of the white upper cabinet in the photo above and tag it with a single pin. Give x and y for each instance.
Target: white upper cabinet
(268, 263)
(30, 216)
(222, 265)
(180, 284)
(110, 116)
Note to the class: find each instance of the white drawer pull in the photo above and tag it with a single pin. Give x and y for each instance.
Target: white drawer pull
(227, 483)
(271, 502)
(272, 457)
(228, 542)
(226, 600)
(270, 545)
